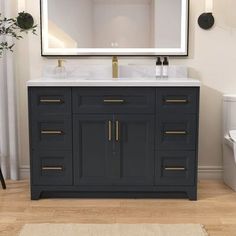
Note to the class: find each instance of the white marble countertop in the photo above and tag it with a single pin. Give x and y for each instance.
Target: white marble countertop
(120, 82)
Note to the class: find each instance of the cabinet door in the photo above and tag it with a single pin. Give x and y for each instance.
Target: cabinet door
(92, 148)
(134, 149)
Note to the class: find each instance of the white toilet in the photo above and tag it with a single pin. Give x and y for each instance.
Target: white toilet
(229, 140)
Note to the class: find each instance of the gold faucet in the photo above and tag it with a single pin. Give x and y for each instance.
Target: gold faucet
(114, 67)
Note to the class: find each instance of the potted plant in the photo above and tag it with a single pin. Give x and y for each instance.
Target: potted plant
(13, 28)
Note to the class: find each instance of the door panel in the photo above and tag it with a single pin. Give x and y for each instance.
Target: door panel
(92, 149)
(134, 148)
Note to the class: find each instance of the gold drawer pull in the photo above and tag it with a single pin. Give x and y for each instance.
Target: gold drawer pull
(175, 132)
(52, 132)
(113, 100)
(51, 101)
(175, 168)
(176, 101)
(60, 168)
(109, 130)
(117, 131)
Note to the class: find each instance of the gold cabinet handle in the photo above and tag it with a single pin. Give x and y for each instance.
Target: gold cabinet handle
(175, 168)
(52, 132)
(113, 100)
(117, 131)
(176, 101)
(60, 168)
(51, 101)
(175, 132)
(109, 130)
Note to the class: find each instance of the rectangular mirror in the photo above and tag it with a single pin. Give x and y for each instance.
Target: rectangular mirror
(114, 27)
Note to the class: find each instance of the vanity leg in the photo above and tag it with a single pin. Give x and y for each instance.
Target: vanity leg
(35, 194)
(192, 194)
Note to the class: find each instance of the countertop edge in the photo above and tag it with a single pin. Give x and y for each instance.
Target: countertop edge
(37, 83)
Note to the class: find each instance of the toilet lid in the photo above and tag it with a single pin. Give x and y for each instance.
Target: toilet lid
(232, 134)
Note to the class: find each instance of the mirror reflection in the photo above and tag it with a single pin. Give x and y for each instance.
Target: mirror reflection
(118, 25)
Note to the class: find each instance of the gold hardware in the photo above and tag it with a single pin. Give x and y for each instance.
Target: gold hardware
(60, 62)
(53, 132)
(113, 100)
(114, 67)
(51, 101)
(175, 168)
(175, 132)
(52, 168)
(176, 100)
(109, 130)
(117, 131)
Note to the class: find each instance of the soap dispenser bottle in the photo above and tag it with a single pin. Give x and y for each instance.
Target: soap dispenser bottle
(165, 69)
(158, 68)
(60, 70)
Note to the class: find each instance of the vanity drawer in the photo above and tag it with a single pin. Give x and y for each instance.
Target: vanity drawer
(113, 100)
(50, 100)
(51, 131)
(175, 168)
(176, 131)
(177, 100)
(52, 167)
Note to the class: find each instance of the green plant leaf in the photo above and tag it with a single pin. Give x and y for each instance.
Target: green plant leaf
(10, 27)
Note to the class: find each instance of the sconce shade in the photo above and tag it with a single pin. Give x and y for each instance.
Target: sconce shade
(25, 21)
(206, 21)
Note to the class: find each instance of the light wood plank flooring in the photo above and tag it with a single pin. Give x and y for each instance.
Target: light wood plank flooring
(216, 209)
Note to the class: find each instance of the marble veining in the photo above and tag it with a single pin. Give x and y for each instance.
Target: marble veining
(131, 75)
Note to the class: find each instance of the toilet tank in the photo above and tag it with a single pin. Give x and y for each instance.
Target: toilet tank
(229, 113)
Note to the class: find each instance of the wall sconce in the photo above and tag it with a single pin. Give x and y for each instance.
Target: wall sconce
(206, 20)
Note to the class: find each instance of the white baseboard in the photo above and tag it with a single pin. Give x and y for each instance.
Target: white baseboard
(210, 172)
(24, 172)
(204, 172)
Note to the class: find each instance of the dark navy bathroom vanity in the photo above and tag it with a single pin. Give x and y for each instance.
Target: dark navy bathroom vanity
(107, 142)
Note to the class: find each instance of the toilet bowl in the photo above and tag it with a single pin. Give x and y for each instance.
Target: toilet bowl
(229, 141)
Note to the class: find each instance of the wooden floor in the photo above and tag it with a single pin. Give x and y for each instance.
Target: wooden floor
(216, 209)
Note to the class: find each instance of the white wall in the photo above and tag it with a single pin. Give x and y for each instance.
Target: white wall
(124, 22)
(212, 60)
(78, 12)
(167, 23)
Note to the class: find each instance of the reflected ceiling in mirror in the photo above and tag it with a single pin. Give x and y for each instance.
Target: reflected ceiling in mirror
(114, 27)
